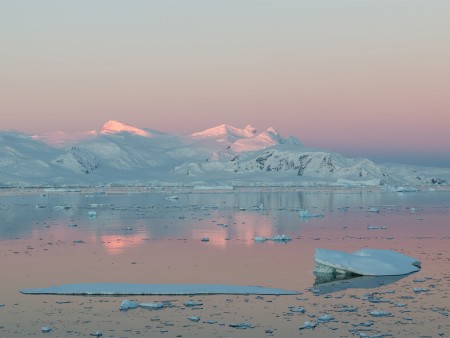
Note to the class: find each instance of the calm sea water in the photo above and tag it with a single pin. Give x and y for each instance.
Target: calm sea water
(219, 216)
(49, 238)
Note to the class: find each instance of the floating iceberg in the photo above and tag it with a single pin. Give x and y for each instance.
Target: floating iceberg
(329, 283)
(128, 305)
(154, 306)
(120, 289)
(304, 213)
(366, 262)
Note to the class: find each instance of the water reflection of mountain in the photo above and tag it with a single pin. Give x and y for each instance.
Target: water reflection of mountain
(248, 214)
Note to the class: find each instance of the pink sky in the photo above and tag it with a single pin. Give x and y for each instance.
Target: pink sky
(362, 78)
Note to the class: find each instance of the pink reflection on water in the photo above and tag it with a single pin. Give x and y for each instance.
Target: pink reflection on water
(251, 225)
(242, 226)
(116, 244)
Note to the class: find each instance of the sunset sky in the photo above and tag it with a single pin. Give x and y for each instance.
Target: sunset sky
(368, 78)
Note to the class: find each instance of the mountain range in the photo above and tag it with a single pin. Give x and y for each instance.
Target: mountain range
(120, 154)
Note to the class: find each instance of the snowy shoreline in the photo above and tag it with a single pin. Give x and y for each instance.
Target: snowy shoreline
(211, 189)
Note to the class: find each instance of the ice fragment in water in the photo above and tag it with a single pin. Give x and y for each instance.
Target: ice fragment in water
(96, 334)
(325, 319)
(243, 325)
(348, 309)
(365, 324)
(308, 325)
(299, 310)
(192, 303)
(92, 213)
(260, 239)
(128, 305)
(281, 238)
(306, 214)
(205, 239)
(194, 318)
(46, 329)
(418, 290)
(379, 313)
(153, 306)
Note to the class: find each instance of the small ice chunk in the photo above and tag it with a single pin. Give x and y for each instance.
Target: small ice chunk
(281, 238)
(46, 329)
(242, 326)
(153, 306)
(260, 239)
(96, 334)
(128, 305)
(419, 290)
(374, 209)
(348, 309)
(365, 324)
(379, 313)
(194, 318)
(191, 303)
(92, 213)
(298, 309)
(325, 319)
(308, 325)
(205, 239)
(304, 213)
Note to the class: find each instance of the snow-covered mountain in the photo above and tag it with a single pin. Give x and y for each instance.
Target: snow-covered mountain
(115, 127)
(224, 155)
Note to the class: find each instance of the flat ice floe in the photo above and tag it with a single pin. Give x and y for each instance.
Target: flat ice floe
(366, 262)
(116, 289)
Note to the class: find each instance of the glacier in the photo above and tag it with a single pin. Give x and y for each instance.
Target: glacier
(223, 156)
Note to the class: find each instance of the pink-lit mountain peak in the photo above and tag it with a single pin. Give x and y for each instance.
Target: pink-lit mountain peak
(114, 127)
(227, 131)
